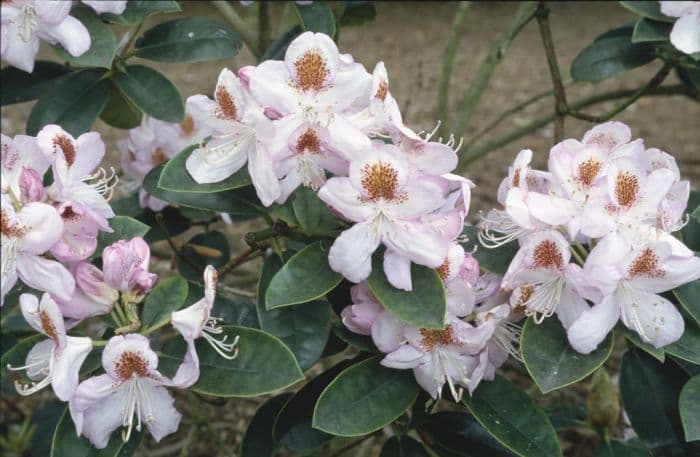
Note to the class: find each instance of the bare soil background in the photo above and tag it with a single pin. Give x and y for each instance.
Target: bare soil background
(411, 37)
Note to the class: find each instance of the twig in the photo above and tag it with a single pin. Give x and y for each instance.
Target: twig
(236, 261)
(171, 243)
(448, 61)
(471, 97)
(239, 24)
(124, 51)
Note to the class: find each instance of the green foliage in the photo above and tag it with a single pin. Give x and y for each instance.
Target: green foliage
(688, 296)
(551, 361)
(151, 92)
(646, 30)
(175, 177)
(459, 434)
(19, 86)
(494, 260)
(403, 446)
(689, 402)
(257, 441)
(688, 346)
(317, 17)
(138, 10)
(103, 43)
(209, 248)
(168, 295)
(649, 10)
(123, 228)
(312, 214)
(119, 111)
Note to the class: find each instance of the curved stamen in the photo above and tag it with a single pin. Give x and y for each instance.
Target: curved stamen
(216, 155)
(544, 299)
(506, 229)
(226, 350)
(507, 337)
(28, 389)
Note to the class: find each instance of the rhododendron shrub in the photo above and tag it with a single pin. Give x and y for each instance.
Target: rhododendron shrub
(382, 307)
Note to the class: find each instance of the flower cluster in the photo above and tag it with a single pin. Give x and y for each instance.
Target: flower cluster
(25, 22)
(595, 228)
(319, 112)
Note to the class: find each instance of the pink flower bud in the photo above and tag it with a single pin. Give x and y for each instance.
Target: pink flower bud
(31, 185)
(91, 281)
(469, 271)
(244, 74)
(125, 266)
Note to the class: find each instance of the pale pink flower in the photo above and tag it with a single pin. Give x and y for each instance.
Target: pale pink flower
(26, 235)
(23, 166)
(92, 295)
(55, 361)
(26, 21)
(125, 266)
(79, 238)
(364, 310)
(131, 392)
(685, 35)
(502, 343)
(116, 7)
(629, 277)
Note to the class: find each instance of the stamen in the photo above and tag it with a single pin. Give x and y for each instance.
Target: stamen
(544, 299)
(506, 229)
(226, 350)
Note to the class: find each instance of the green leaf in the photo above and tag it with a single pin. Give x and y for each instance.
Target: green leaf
(691, 231)
(66, 442)
(513, 418)
(312, 214)
(168, 295)
(423, 307)
(305, 277)
(138, 10)
(209, 248)
(19, 86)
(607, 57)
(123, 228)
(650, 31)
(120, 112)
(188, 40)
(103, 43)
(688, 347)
(688, 296)
(689, 406)
(455, 433)
(361, 342)
(495, 260)
(649, 10)
(152, 92)
(229, 307)
(551, 361)
(317, 17)
(175, 177)
(257, 441)
(303, 328)
(650, 397)
(364, 398)
(46, 419)
(263, 365)
(278, 47)
(357, 13)
(633, 337)
(629, 448)
(16, 356)
(403, 446)
(73, 102)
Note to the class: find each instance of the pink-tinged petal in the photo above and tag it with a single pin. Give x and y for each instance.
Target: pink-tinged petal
(18, 52)
(601, 267)
(31, 155)
(397, 268)
(387, 332)
(4, 39)
(204, 111)
(404, 357)
(132, 343)
(38, 360)
(677, 8)
(107, 6)
(44, 316)
(473, 339)
(42, 228)
(560, 162)
(60, 149)
(587, 332)
(90, 152)
(291, 181)
(220, 157)
(345, 139)
(51, 12)
(361, 293)
(80, 306)
(312, 61)
(672, 272)
(229, 96)
(416, 241)
(608, 136)
(431, 157)
(31, 185)
(429, 376)
(123, 260)
(418, 197)
(262, 175)
(552, 210)
(351, 253)
(188, 371)
(160, 404)
(570, 306)
(595, 221)
(190, 321)
(70, 33)
(342, 197)
(79, 238)
(66, 366)
(655, 319)
(46, 275)
(547, 249)
(9, 275)
(91, 282)
(360, 316)
(351, 88)
(518, 206)
(97, 408)
(685, 35)
(460, 297)
(269, 85)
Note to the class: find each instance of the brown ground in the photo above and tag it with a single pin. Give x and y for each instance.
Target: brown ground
(410, 37)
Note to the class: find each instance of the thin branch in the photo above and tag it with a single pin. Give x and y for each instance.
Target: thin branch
(171, 243)
(239, 24)
(471, 97)
(236, 261)
(448, 61)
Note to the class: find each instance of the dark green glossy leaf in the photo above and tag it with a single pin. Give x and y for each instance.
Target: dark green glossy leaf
(317, 17)
(168, 295)
(551, 361)
(305, 277)
(688, 347)
(633, 337)
(424, 306)
(138, 10)
(19, 86)
(357, 12)
(257, 441)
(45, 419)
(209, 248)
(691, 231)
(454, 433)
(303, 328)
(650, 10)
(73, 102)
(120, 112)
(494, 261)
(689, 407)
(193, 39)
(278, 47)
(264, 364)
(629, 448)
(650, 397)
(607, 57)
(312, 214)
(513, 418)
(361, 342)
(231, 308)
(103, 43)
(650, 31)
(364, 398)
(151, 92)
(66, 442)
(403, 446)
(688, 296)
(175, 177)
(124, 228)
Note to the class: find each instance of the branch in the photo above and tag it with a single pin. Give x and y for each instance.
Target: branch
(448, 61)
(471, 97)
(239, 24)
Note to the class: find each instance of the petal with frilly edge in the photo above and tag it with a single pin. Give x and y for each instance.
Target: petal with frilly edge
(608, 136)
(97, 408)
(166, 419)
(351, 253)
(133, 343)
(66, 366)
(404, 357)
(312, 61)
(269, 85)
(589, 330)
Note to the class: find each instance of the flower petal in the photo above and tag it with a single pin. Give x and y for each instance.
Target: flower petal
(97, 408)
(397, 268)
(46, 275)
(71, 33)
(587, 332)
(66, 366)
(351, 253)
(685, 35)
